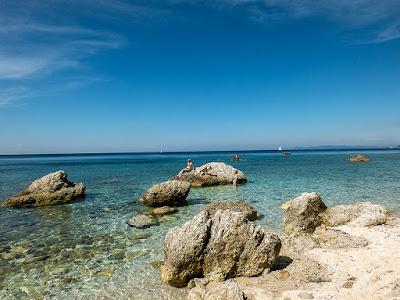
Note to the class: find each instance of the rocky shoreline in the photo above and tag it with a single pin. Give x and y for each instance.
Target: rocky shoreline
(341, 252)
(338, 252)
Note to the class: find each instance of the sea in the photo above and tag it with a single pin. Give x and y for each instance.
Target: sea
(86, 250)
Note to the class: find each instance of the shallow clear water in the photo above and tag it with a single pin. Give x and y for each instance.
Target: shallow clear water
(86, 250)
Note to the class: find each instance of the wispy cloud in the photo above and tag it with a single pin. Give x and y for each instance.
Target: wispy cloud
(378, 21)
(9, 95)
(41, 38)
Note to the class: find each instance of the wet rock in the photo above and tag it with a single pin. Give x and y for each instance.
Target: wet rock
(301, 215)
(171, 192)
(358, 158)
(219, 246)
(156, 264)
(119, 255)
(359, 214)
(164, 210)
(51, 189)
(142, 221)
(105, 273)
(139, 236)
(35, 259)
(213, 173)
(105, 209)
(239, 206)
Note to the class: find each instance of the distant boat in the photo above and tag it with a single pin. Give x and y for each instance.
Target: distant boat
(280, 148)
(161, 151)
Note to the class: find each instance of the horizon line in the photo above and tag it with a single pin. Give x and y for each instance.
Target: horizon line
(299, 149)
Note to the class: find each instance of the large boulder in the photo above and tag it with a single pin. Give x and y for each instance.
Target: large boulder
(51, 189)
(217, 246)
(171, 192)
(301, 215)
(358, 214)
(239, 206)
(213, 173)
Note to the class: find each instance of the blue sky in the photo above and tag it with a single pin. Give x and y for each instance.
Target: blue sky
(109, 76)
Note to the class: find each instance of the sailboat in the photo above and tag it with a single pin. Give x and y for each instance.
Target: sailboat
(280, 148)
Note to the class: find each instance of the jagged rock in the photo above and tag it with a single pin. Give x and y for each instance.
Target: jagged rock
(302, 213)
(359, 214)
(171, 192)
(358, 158)
(239, 206)
(213, 173)
(229, 290)
(51, 189)
(164, 210)
(142, 221)
(219, 246)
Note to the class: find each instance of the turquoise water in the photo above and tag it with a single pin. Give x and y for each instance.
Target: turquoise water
(86, 250)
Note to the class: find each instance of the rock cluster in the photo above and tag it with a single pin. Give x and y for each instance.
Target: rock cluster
(307, 212)
(51, 189)
(213, 173)
(171, 192)
(217, 246)
(358, 158)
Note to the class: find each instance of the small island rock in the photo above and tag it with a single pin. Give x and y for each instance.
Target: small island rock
(358, 158)
(213, 173)
(51, 189)
(219, 246)
(171, 192)
(302, 213)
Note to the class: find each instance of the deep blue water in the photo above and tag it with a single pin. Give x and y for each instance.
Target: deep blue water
(89, 249)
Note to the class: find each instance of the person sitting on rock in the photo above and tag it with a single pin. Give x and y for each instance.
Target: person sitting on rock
(189, 168)
(235, 177)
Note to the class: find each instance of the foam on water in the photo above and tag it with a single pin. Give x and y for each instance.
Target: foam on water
(86, 250)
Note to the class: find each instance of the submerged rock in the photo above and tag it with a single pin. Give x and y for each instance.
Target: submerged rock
(164, 210)
(142, 221)
(171, 192)
(213, 173)
(302, 213)
(239, 206)
(217, 246)
(358, 158)
(358, 214)
(51, 189)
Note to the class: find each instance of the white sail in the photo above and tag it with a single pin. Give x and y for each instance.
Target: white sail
(280, 148)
